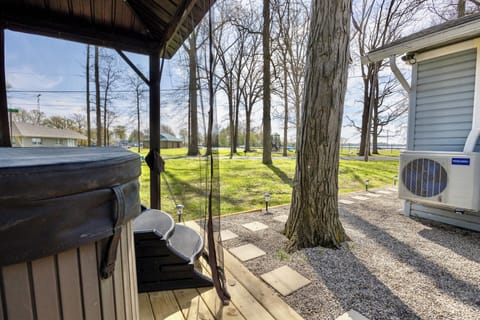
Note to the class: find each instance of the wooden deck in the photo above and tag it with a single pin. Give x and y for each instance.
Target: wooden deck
(251, 299)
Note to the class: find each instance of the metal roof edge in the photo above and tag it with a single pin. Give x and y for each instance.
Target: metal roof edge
(422, 40)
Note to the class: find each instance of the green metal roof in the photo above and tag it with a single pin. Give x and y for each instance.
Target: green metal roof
(166, 137)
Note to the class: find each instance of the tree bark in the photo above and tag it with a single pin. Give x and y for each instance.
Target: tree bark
(314, 218)
(248, 115)
(98, 114)
(192, 90)
(267, 125)
(235, 130)
(285, 102)
(138, 118)
(461, 6)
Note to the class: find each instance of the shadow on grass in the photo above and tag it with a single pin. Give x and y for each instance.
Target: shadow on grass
(181, 189)
(439, 276)
(282, 175)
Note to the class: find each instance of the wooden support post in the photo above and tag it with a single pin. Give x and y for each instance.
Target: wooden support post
(4, 126)
(154, 84)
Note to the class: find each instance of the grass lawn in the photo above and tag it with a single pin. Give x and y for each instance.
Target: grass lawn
(243, 181)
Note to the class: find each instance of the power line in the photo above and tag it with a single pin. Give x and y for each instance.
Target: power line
(84, 91)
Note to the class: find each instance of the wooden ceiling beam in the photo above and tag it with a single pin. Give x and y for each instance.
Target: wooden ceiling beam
(53, 25)
(178, 19)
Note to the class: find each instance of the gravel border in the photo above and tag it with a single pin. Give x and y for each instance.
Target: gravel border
(395, 267)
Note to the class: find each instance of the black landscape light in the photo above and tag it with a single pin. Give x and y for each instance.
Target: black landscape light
(366, 185)
(180, 211)
(395, 178)
(268, 197)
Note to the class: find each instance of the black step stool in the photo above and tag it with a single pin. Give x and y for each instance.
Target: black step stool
(166, 253)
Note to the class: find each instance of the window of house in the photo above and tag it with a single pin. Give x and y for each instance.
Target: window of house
(58, 141)
(36, 141)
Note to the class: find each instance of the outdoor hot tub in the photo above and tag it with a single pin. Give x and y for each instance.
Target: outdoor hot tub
(66, 242)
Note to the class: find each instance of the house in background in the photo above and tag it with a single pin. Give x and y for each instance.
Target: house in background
(29, 135)
(440, 171)
(167, 141)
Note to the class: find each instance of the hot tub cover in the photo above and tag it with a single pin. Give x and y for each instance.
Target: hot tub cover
(54, 199)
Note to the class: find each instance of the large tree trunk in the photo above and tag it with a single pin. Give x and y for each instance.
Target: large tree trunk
(267, 125)
(231, 117)
(285, 118)
(298, 117)
(235, 130)
(87, 70)
(192, 90)
(98, 111)
(375, 131)
(367, 86)
(461, 8)
(105, 125)
(248, 115)
(313, 218)
(138, 120)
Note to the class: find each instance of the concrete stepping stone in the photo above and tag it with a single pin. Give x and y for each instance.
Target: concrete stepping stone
(247, 252)
(352, 315)
(255, 226)
(384, 192)
(346, 201)
(395, 189)
(372, 195)
(360, 198)
(227, 235)
(285, 280)
(283, 218)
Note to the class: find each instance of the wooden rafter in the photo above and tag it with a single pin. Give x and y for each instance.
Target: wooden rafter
(75, 29)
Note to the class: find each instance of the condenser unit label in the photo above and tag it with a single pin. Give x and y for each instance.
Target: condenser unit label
(461, 161)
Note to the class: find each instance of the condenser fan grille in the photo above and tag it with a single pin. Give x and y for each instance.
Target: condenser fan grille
(424, 177)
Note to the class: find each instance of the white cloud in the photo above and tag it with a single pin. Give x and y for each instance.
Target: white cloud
(25, 78)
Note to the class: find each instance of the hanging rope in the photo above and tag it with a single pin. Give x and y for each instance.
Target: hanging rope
(218, 274)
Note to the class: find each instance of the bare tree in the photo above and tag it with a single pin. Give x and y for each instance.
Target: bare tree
(377, 23)
(37, 117)
(32, 117)
(139, 87)
(110, 118)
(450, 9)
(230, 44)
(79, 122)
(110, 75)
(247, 73)
(251, 88)
(192, 94)
(314, 218)
(289, 47)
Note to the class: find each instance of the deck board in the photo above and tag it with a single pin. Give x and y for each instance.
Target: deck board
(145, 308)
(192, 305)
(165, 306)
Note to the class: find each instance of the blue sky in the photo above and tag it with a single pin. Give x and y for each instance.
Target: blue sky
(36, 65)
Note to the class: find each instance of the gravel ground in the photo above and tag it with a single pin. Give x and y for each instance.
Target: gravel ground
(395, 267)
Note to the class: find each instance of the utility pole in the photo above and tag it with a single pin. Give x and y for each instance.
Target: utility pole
(38, 102)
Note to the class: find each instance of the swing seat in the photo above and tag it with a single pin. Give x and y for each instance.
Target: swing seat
(166, 253)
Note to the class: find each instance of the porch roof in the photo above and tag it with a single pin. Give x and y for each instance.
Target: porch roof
(140, 26)
(450, 32)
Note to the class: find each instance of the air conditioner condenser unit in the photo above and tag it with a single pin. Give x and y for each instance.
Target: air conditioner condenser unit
(447, 179)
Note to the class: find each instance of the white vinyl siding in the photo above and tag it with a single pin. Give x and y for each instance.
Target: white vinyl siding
(443, 108)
